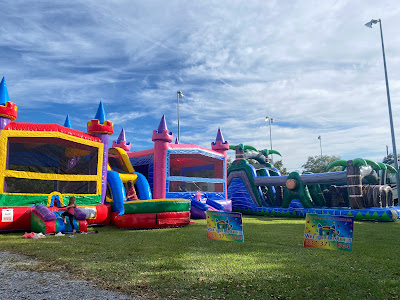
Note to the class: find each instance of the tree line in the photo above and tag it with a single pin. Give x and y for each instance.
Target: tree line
(314, 164)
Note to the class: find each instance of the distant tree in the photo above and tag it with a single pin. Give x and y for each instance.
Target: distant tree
(253, 162)
(228, 162)
(279, 165)
(315, 164)
(389, 159)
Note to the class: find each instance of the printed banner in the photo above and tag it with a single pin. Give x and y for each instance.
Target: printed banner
(7, 215)
(329, 232)
(90, 211)
(224, 226)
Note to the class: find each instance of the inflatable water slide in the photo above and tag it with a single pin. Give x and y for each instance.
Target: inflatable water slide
(263, 191)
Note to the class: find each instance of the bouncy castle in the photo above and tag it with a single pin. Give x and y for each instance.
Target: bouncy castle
(42, 165)
(173, 170)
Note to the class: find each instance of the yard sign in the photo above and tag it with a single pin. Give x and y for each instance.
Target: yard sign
(329, 232)
(225, 226)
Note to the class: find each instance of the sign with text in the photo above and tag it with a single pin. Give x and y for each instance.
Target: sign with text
(7, 215)
(329, 232)
(224, 226)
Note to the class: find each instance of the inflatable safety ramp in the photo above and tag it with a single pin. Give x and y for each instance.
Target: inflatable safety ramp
(158, 213)
(47, 221)
(199, 209)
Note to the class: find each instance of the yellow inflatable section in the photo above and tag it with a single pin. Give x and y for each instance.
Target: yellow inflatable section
(127, 166)
(125, 159)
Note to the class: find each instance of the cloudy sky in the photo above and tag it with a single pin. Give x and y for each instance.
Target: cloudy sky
(311, 65)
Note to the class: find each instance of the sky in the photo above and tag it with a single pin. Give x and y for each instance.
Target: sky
(310, 65)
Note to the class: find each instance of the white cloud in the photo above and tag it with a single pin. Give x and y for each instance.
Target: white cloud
(313, 66)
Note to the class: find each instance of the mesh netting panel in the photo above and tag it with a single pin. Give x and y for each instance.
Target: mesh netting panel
(195, 165)
(115, 164)
(182, 186)
(35, 186)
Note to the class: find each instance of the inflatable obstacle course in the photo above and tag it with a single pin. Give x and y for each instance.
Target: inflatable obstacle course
(250, 190)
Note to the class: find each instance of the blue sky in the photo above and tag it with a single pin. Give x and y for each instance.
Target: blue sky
(311, 65)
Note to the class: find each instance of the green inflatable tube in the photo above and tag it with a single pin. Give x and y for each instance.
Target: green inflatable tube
(359, 162)
(373, 164)
(301, 192)
(382, 165)
(391, 169)
(337, 163)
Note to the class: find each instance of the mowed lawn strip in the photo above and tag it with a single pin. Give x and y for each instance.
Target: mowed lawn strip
(181, 263)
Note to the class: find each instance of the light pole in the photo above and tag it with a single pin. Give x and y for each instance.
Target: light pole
(320, 145)
(178, 95)
(270, 120)
(396, 164)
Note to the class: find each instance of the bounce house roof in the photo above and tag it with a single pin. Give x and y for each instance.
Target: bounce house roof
(51, 127)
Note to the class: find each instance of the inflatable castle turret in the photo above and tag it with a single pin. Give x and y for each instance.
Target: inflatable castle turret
(121, 142)
(221, 146)
(8, 109)
(161, 138)
(102, 128)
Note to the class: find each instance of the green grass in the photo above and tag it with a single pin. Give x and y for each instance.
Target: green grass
(181, 263)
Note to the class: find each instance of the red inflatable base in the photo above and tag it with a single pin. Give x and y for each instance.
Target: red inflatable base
(151, 220)
(15, 218)
(102, 214)
(18, 218)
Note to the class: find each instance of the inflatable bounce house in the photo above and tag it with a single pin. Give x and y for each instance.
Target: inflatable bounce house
(170, 171)
(42, 165)
(354, 191)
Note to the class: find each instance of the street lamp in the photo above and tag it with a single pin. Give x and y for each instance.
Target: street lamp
(396, 165)
(270, 120)
(178, 95)
(320, 145)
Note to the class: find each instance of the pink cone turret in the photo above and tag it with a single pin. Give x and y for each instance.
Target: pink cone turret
(221, 146)
(161, 138)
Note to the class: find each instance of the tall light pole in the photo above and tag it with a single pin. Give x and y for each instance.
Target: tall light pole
(396, 164)
(320, 145)
(270, 120)
(178, 96)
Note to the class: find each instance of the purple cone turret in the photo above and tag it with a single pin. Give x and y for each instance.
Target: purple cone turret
(221, 146)
(121, 142)
(220, 143)
(162, 132)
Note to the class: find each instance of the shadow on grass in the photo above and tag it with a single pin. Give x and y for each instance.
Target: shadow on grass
(182, 263)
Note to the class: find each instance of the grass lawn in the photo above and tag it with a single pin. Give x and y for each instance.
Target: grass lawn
(181, 263)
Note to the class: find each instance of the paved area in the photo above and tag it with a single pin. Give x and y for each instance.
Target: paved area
(16, 283)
